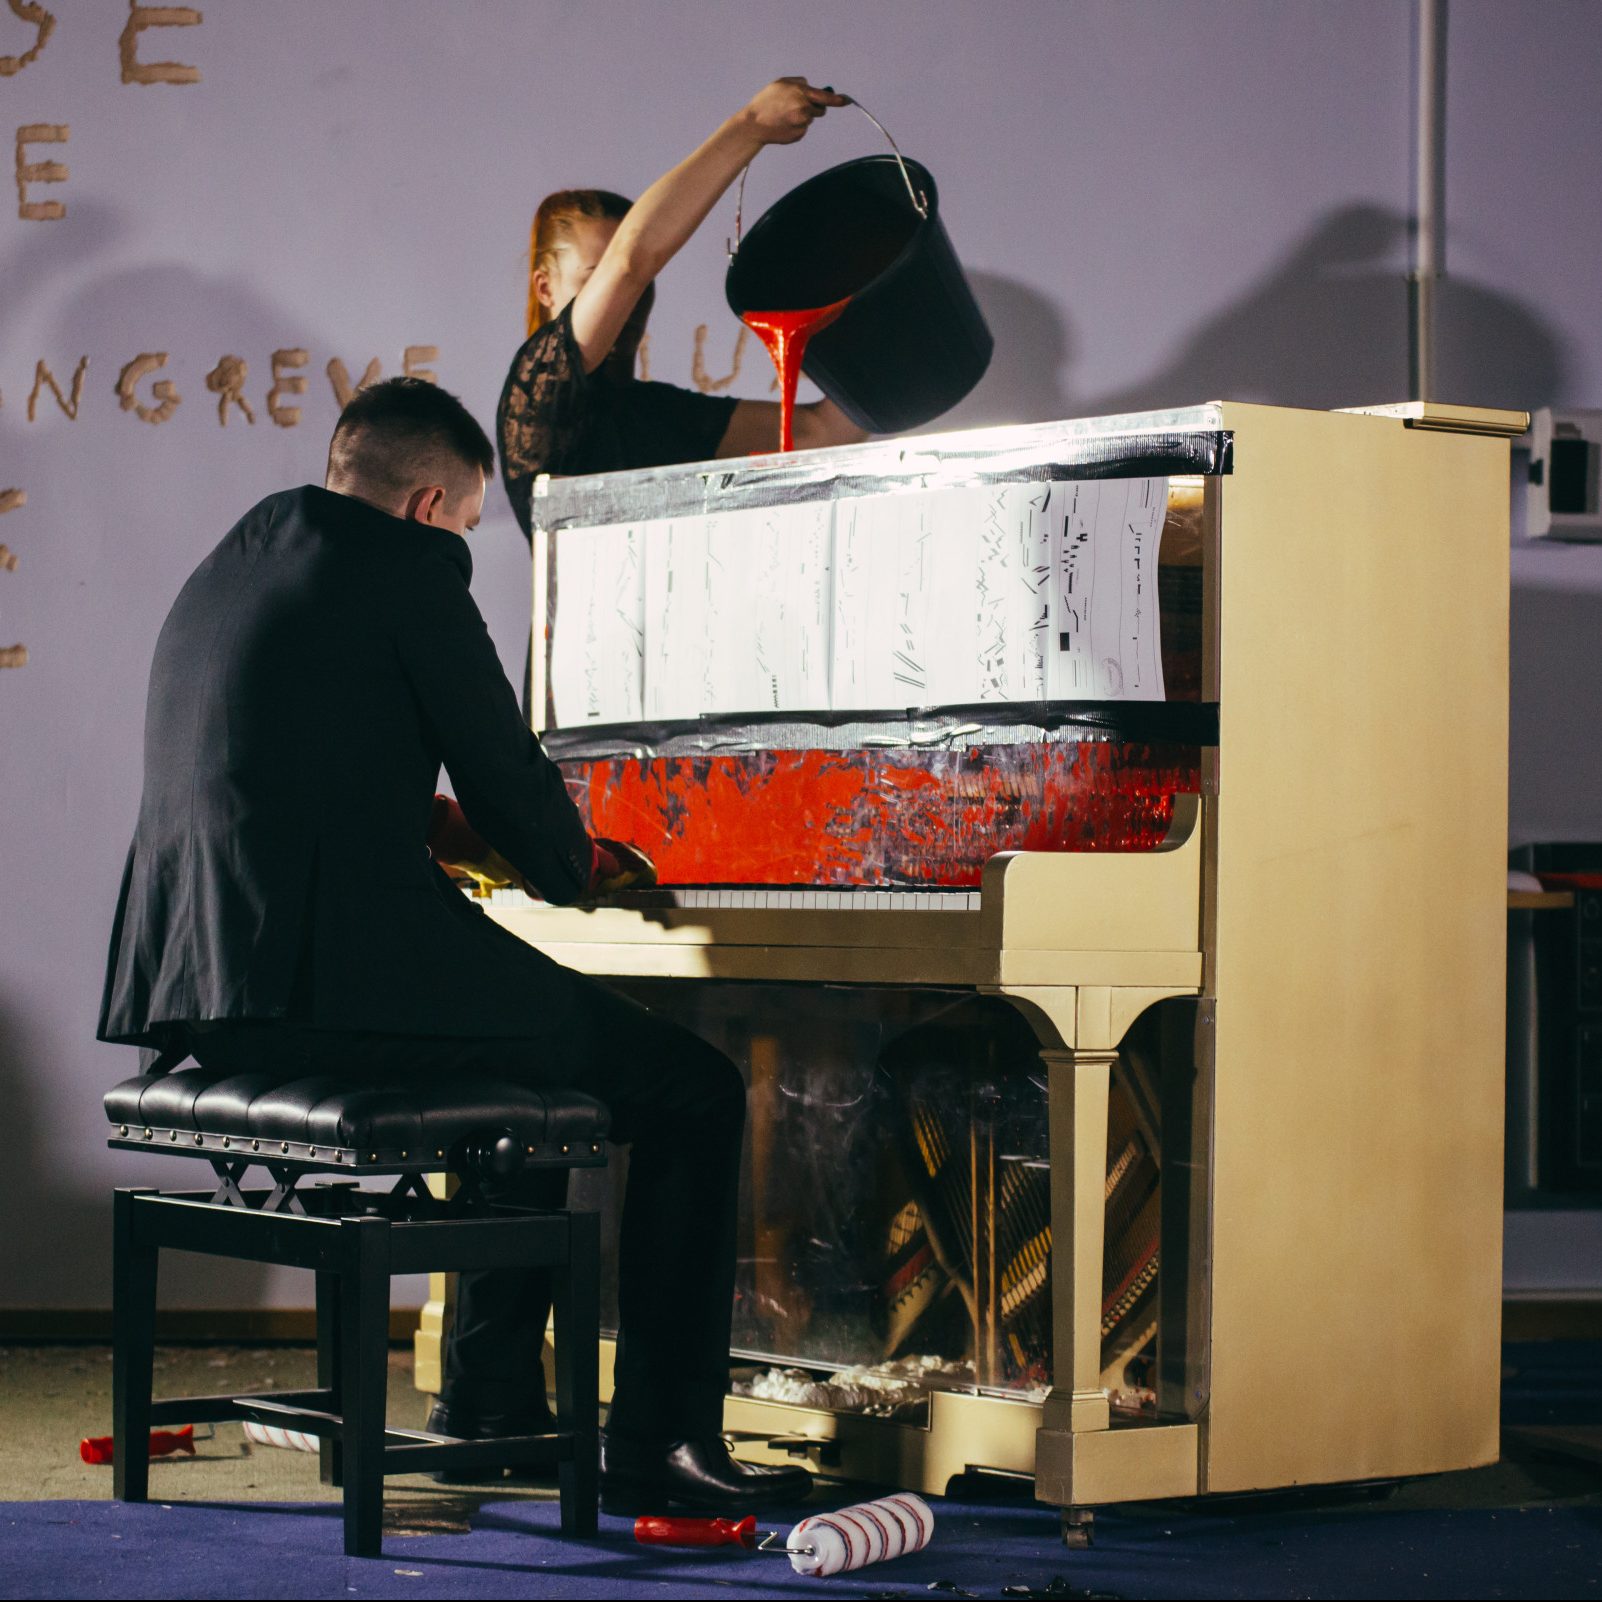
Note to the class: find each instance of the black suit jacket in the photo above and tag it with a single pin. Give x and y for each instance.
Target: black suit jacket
(313, 675)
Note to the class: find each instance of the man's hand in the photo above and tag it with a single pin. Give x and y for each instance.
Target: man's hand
(459, 848)
(619, 866)
(782, 113)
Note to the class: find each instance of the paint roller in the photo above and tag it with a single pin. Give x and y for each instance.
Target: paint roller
(821, 1545)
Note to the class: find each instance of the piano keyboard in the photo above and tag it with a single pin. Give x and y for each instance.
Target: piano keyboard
(809, 899)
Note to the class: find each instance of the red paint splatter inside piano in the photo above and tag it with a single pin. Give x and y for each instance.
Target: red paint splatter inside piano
(881, 817)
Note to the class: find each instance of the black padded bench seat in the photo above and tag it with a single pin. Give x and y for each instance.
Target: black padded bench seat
(353, 1238)
(407, 1126)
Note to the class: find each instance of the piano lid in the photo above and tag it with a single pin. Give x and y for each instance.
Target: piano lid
(1186, 440)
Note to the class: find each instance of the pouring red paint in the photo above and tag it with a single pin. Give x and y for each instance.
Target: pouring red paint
(785, 333)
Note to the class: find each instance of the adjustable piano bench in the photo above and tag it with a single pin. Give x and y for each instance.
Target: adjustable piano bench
(354, 1239)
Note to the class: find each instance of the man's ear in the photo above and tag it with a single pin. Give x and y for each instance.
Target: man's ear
(425, 504)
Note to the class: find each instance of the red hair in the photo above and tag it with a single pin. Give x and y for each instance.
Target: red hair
(553, 225)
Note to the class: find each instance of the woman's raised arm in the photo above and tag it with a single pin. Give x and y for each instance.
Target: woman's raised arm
(663, 218)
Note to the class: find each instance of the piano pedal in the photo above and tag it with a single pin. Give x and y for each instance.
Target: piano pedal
(1078, 1527)
(827, 1451)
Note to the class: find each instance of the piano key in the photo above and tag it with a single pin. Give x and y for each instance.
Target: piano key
(806, 898)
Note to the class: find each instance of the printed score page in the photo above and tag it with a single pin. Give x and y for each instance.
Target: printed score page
(1104, 638)
(885, 553)
(598, 641)
(1012, 592)
(767, 599)
(677, 623)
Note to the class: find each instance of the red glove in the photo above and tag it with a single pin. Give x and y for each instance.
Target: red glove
(452, 840)
(618, 866)
(455, 844)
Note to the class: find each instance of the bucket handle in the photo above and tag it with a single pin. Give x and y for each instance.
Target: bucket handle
(920, 202)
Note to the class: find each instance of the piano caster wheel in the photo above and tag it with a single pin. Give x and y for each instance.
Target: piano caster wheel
(1078, 1527)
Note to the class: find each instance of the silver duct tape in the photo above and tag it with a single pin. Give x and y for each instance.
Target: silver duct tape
(992, 724)
(1142, 444)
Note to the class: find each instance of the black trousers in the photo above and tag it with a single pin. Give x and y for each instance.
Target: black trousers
(677, 1103)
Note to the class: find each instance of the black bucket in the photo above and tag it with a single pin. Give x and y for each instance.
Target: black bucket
(912, 342)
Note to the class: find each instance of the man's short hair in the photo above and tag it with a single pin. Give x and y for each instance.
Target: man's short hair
(401, 433)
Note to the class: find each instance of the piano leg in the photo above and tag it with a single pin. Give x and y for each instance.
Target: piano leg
(1080, 1081)
(1078, 1527)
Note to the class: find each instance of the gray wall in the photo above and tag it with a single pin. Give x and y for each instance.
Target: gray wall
(1159, 202)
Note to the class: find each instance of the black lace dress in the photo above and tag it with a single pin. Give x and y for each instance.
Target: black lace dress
(556, 418)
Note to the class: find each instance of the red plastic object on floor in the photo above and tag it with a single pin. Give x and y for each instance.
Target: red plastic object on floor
(652, 1529)
(98, 1448)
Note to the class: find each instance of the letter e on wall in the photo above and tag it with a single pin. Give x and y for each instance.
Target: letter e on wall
(40, 172)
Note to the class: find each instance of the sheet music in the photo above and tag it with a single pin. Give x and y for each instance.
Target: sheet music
(1104, 642)
(992, 566)
(598, 642)
(767, 599)
(884, 586)
(1007, 592)
(676, 620)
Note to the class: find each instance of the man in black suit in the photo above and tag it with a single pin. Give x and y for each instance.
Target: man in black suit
(280, 909)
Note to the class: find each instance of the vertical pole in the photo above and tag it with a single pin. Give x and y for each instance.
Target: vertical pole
(133, 1350)
(1429, 190)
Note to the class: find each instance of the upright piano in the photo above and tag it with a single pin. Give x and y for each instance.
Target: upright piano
(1088, 838)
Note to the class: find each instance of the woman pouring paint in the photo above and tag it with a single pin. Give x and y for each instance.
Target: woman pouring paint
(571, 403)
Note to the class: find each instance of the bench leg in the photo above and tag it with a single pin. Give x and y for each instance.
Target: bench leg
(577, 1305)
(133, 1352)
(329, 1456)
(364, 1379)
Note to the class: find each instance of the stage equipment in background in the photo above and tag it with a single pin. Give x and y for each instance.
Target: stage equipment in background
(1554, 1060)
(1562, 501)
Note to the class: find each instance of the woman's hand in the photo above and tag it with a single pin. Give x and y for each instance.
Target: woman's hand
(660, 221)
(782, 113)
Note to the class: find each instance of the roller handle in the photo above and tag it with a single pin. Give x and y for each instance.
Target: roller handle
(654, 1529)
(97, 1449)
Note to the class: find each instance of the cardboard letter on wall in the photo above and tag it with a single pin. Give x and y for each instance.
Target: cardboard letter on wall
(43, 378)
(29, 11)
(40, 172)
(412, 358)
(339, 377)
(227, 382)
(10, 499)
(166, 396)
(141, 17)
(285, 383)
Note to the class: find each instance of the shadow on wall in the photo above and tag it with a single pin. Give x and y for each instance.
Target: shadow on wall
(119, 511)
(1325, 328)
(48, 1207)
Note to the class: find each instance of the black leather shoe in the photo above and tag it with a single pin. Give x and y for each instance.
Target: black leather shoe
(645, 1477)
(461, 1425)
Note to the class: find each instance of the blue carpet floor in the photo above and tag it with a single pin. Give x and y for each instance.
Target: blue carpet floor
(99, 1549)
(1479, 1535)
